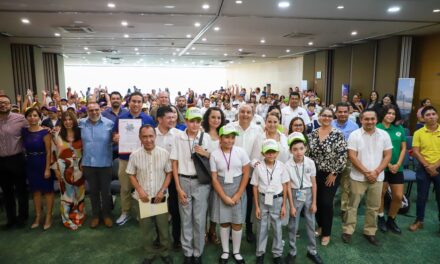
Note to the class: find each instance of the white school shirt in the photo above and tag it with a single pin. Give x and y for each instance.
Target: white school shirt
(369, 149)
(166, 141)
(259, 121)
(230, 114)
(261, 177)
(237, 158)
(283, 154)
(309, 172)
(150, 169)
(247, 137)
(181, 151)
(288, 114)
(262, 110)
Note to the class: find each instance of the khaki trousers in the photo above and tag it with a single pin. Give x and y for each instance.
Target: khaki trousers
(126, 187)
(345, 186)
(373, 192)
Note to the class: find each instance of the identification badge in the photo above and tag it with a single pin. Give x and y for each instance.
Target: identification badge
(270, 189)
(268, 199)
(301, 196)
(229, 178)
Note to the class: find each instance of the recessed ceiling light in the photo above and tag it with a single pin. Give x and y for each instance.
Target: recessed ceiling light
(262, 41)
(231, 62)
(126, 36)
(187, 53)
(56, 34)
(340, 7)
(88, 52)
(197, 24)
(177, 49)
(137, 53)
(226, 54)
(204, 39)
(174, 54)
(354, 33)
(394, 9)
(283, 4)
(253, 60)
(240, 50)
(136, 49)
(124, 23)
(193, 48)
(25, 21)
(78, 22)
(86, 48)
(310, 43)
(168, 25)
(188, 35)
(216, 28)
(287, 50)
(111, 5)
(239, 2)
(169, 6)
(436, 10)
(205, 6)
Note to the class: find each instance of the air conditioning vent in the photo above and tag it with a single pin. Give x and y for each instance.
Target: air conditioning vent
(114, 58)
(297, 35)
(77, 29)
(224, 60)
(108, 50)
(245, 53)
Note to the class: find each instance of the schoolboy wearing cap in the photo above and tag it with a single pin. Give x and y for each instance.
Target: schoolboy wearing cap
(230, 175)
(193, 196)
(301, 195)
(270, 180)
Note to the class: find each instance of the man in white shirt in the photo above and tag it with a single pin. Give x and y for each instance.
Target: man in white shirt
(229, 111)
(165, 136)
(206, 105)
(248, 135)
(369, 150)
(149, 169)
(294, 110)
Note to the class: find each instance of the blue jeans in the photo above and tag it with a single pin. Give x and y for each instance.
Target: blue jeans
(423, 183)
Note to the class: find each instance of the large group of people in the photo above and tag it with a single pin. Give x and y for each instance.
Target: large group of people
(231, 161)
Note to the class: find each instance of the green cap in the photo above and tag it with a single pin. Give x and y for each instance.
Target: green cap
(270, 144)
(228, 129)
(193, 113)
(296, 136)
(286, 100)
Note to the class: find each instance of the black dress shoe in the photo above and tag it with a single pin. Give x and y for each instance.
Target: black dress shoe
(372, 240)
(187, 260)
(391, 225)
(177, 245)
(260, 259)
(277, 260)
(238, 261)
(9, 226)
(197, 260)
(290, 259)
(315, 258)
(148, 261)
(346, 238)
(222, 260)
(382, 224)
(167, 260)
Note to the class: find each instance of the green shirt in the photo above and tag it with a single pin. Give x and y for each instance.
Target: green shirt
(397, 135)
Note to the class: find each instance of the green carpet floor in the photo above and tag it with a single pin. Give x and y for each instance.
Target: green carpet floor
(122, 244)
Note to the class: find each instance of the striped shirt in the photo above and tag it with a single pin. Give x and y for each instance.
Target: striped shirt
(149, 169)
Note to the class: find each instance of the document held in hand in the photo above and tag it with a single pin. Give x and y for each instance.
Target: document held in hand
(151, 209)
(129, 135)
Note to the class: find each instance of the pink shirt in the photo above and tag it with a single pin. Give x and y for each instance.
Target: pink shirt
(10, 134)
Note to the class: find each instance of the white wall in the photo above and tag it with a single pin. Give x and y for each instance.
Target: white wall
(280, 74)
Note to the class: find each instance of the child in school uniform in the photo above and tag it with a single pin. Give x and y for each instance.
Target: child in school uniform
(270, 180)
(301, 195)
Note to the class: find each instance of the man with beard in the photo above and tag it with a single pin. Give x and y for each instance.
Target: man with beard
(181, 106)
(116, 110)
(12, 174)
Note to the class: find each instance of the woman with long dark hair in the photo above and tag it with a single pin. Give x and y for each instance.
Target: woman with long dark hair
(69, 173)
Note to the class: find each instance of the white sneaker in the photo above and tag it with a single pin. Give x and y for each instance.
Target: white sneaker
(123, 219)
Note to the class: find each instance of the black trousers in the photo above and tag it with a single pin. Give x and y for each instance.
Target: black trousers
(324, 202)
(250, 201)
(173, 207)
(99, 180)
(13, 184)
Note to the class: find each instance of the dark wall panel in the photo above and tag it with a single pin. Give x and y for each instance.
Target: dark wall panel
(362, 69)
(388, 62)
(341, 71)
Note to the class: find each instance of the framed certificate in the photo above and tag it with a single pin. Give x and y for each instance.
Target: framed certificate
(129, 135)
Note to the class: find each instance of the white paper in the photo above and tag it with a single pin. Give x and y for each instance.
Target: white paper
(229, 178)
(129, 135)
(268, 199)
(149, 209)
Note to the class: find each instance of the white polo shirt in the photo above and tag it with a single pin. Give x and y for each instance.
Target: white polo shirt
(369, 149)
(288, 114)
(166, 140)
(182, 150)
(237, 158)
(247, 137)
(308, 166)
(261, 177)
(150, 169)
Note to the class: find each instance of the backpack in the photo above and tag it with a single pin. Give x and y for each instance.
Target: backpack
(404, 207)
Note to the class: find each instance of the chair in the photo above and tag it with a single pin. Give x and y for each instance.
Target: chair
(409, 167)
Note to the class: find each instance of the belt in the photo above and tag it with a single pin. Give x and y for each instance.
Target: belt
(35, 153)
(275, 196)
(188, 176)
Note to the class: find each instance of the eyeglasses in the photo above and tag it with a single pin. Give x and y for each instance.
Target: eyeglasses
(4, 103)
(327, 116)
(298, 125)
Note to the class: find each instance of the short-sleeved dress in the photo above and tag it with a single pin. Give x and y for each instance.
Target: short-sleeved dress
(33, 143)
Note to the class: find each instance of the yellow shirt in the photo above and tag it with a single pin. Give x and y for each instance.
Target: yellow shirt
(428, 143)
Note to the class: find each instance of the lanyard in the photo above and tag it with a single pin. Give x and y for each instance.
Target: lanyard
(269, 180)
(228, 163)
(302, 174)
(191, 149)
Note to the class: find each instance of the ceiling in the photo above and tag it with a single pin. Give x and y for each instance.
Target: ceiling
(165, 33)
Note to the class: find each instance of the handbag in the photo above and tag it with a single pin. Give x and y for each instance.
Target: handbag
(201, 163)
